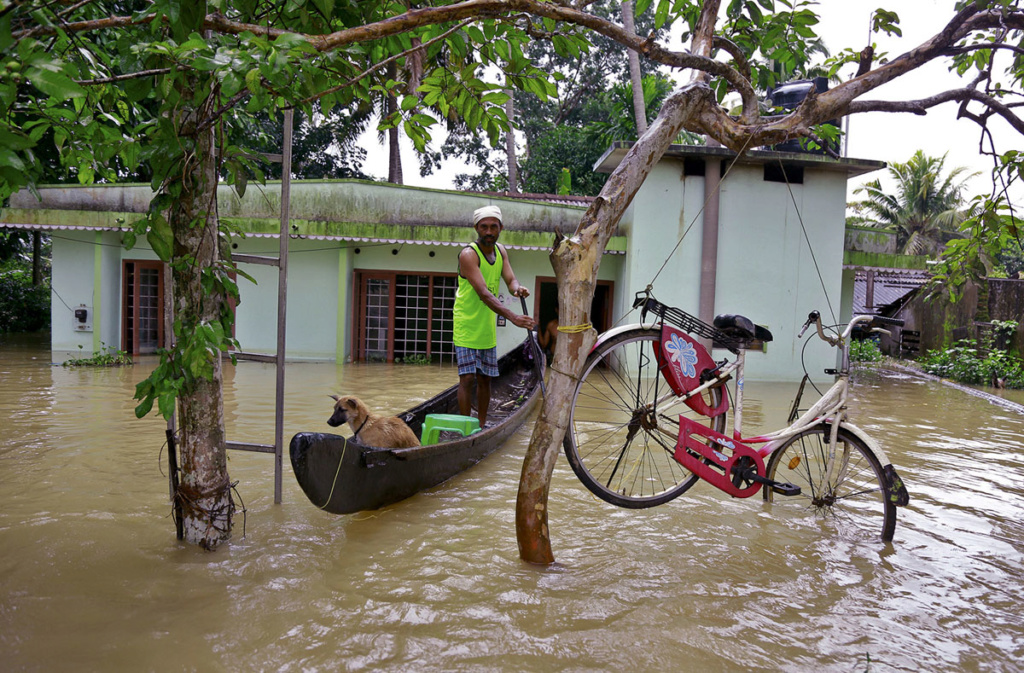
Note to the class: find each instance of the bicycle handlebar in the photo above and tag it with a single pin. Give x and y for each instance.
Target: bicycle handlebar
(888, 321)
(814, 318)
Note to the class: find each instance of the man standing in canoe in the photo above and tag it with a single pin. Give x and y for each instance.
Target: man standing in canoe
(482, 266)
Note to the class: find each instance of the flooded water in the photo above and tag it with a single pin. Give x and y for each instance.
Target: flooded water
(92, 578)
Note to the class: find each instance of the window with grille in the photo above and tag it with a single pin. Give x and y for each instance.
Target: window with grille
(378, 320)
(402, 316)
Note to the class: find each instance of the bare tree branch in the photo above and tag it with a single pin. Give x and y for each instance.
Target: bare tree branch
(922, 105)
(953, 51)
(72, 8)
(123, 78)
(375, 66)
(733, 49)
(83, 26)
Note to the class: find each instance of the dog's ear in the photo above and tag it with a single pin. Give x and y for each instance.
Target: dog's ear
(334, 397)
(351, 402)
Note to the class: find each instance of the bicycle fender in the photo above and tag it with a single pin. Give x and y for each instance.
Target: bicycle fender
(897, 491)
(867, 439)
(615, 331)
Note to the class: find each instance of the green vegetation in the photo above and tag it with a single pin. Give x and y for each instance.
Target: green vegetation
(106, 356)
(415, 359)
(966, 362)
(924, 209)
(24, 307)
(865, 350)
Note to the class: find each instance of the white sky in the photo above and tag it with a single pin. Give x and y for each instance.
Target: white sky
(882, 136)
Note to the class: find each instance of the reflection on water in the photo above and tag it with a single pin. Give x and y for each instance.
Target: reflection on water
(91, 577)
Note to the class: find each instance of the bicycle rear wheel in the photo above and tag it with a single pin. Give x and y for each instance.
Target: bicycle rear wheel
(853, 500)
(620, 442)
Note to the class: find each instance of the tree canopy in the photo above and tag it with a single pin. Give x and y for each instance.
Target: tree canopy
(925, 208)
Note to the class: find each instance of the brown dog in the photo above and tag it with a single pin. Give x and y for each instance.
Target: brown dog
(372, 430)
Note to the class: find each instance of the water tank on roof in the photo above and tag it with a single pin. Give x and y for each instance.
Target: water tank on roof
(788, 96)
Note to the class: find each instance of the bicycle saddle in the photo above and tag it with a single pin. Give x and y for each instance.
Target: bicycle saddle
(741, 328)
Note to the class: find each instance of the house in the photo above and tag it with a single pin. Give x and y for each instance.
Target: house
(372, 266)
(779, 222)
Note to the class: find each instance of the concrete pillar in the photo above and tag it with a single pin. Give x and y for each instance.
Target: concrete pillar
(709, 242)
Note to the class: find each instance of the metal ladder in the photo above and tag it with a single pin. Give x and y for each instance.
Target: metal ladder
(281, 262)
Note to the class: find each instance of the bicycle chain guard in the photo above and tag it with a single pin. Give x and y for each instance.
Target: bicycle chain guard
(698, 444)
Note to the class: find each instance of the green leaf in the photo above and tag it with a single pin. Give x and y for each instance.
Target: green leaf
(661, 14)
(241, 180)
(138, 89)
(160, 237)
(130, 154)
(55, 84)
(290, 41)
(325, 7)
(9, 158)
(253, 80)
(423, 119)
(167, 400)
(144, 407)
(14, 141)
(409, 102)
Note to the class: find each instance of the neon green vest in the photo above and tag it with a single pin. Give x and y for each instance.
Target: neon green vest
(475, 323)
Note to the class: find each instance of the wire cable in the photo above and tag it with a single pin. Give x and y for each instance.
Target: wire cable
(807, 238)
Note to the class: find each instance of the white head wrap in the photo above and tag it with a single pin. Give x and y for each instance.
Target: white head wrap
(486, 211)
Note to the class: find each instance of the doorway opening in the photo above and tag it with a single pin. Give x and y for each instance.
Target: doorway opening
(546, 305)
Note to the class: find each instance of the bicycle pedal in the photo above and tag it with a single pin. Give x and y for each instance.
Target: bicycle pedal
(786, 489)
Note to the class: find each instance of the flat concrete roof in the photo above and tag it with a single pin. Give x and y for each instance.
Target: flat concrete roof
(614, 155)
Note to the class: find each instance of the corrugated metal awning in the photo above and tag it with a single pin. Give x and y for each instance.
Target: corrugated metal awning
(352, 239)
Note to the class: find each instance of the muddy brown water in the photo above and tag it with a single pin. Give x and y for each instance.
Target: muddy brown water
(92, 579)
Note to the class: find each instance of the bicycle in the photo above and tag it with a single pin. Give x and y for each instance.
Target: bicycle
(648, 421)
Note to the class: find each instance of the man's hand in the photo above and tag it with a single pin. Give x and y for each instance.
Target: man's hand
(524, 321)
(520, 291)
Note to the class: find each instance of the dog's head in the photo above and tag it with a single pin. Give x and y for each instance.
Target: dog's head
(345, 409)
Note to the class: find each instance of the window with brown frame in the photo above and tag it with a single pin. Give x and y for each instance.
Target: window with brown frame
(404, 315)
(142, 306)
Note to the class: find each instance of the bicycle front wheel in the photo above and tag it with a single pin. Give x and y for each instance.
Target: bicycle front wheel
(851, 498)
(621, 436)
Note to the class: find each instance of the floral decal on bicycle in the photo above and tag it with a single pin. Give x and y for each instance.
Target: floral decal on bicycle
(684, 354)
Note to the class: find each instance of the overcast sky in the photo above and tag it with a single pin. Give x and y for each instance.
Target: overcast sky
(882, 136)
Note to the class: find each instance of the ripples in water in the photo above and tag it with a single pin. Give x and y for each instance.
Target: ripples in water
(92, 578)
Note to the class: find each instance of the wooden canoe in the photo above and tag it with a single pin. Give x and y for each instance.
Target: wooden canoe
(342, 476)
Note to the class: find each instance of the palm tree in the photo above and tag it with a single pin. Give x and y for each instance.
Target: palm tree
(924, 210)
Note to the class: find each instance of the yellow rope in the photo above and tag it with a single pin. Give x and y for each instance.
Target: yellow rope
(336, 473)
(575, 329)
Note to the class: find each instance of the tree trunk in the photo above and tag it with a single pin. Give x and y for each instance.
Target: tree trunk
(639, 106)
(394, 149)
(510, 144)
(394, 153)
(576, 261)
(205, 489)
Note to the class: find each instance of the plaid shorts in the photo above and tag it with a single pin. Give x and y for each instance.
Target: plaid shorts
(473, 359)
